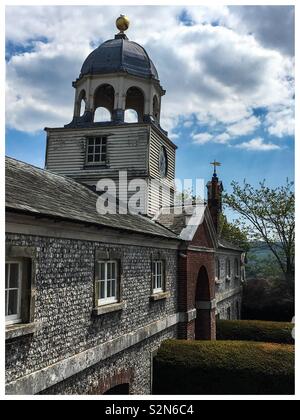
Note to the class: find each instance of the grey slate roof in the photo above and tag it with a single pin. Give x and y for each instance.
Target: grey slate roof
(117, 55)
(175, 222)
(42, 193)
(228, 245)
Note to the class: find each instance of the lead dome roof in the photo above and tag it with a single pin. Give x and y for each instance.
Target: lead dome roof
(119, 55)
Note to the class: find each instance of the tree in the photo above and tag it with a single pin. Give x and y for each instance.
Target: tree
(263, 268)
(268, 214)
(233, 233)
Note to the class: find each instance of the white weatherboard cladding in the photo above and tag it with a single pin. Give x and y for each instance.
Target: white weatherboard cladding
(126, 148)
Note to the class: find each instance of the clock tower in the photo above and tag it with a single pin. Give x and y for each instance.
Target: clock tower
(116, 125)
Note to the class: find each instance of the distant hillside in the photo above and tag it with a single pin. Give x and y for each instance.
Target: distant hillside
(261, 263)
(259, 250)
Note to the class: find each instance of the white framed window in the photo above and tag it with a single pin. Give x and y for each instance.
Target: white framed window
(106, 282)
(158, 276)
(13, 290)
(96, 150)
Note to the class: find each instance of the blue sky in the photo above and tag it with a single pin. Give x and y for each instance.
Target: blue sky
(228, 72)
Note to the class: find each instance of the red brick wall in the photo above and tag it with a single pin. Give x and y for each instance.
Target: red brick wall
(192, 287)
(202, 237)
(195, 260)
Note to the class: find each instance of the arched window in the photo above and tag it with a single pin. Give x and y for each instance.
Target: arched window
(218, 269)
(82, 107)
(81, 103)
(135, 101)
(102, 115)
(228, 268)
(104, 98)
(131, 116)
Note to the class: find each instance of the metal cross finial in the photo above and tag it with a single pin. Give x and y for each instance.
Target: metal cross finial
(215, 164)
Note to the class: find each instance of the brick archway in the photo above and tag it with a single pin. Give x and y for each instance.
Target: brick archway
(204, 303)
(122, 389)
(118, 383)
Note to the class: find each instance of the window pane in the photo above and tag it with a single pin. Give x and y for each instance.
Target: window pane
(113, 271)
(97, 158)
(108, 289)
(102, 271)
(14, 276)
(102, 290)
(90, 158)
(113, 288)
(97, 149)
(98, 140)
(6, 276)
(13, 302)
(109, 270)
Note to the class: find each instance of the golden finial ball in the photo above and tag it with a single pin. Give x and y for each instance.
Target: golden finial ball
(122, 23)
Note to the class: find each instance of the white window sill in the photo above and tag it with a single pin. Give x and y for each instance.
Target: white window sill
(19, 330)
(159, 296)
(106, 309)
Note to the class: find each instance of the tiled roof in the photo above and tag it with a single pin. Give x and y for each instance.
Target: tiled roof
(40, 192)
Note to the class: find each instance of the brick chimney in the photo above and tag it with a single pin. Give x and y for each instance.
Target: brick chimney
(214, 197)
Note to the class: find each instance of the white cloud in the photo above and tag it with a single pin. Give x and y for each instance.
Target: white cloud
(201, 138)
(258, 144)
(280, 122)
(244, 127)
(213, 74)
(223, 138)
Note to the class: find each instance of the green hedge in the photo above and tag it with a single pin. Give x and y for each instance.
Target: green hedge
(223, 368)
(263, 331)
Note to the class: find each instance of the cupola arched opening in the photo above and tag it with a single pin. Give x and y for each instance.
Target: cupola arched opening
(135, 100)
(80, 103)
(131, 116)
(102, 114)
(104, 98)
(155, 108)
